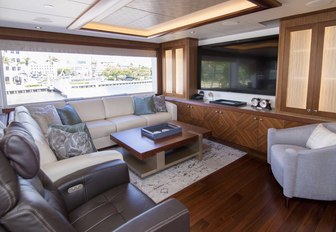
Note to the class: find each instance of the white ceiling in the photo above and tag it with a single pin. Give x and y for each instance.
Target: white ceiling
(29, 14)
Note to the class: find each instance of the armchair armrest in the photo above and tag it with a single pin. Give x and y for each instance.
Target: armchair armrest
(85, 184)
(170, 215)
(172, 109)
(294, 136)
(310, 174)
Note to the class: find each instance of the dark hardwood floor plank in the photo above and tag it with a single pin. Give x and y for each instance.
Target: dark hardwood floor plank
(244, 196)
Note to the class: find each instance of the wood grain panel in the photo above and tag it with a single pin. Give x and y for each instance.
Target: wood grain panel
(264, 124)
(247, 131)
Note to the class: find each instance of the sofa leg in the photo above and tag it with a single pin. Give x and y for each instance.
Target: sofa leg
(287, 202)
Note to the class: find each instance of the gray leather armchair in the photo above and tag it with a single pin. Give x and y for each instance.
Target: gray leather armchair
(302, 172)
(99, 198)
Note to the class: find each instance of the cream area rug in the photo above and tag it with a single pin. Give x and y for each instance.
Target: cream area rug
(161, 185)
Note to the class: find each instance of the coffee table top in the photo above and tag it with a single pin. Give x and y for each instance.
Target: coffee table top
(143, 147)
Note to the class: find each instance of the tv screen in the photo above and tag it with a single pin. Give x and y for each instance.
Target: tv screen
(247, 66)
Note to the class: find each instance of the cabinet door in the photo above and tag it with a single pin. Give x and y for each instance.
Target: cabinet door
(298, 73)
(183, 112)
(197, 115)
(247, 131)
(325, 99)
(174, 72)
(222, 123)
(264, 124)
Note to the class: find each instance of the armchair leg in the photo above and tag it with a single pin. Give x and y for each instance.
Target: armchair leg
(287, 202)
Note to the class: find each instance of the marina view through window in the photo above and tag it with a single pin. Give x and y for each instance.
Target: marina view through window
(44, 76)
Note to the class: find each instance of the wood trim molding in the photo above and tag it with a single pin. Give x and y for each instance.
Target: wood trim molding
(62, 38)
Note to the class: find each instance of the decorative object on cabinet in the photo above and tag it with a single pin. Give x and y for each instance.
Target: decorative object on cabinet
(255, 102)
(265, 104)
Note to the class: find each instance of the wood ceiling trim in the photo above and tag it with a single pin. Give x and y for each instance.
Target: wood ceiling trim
(61, 38)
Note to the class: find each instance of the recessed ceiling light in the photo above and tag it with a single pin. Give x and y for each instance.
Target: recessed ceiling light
(192, 32)
(49, 6)
(315, 3)
(37, 27)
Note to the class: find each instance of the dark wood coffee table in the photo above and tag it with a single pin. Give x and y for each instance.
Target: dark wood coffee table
(145, 156)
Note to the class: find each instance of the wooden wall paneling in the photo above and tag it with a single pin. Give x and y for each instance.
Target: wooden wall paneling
(159, 69)
(62, 38)
(191, 74)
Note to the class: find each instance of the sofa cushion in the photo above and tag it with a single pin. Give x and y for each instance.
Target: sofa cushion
(69, 141)
(116, 206)
(118, 106)
(128, 122)
(101, 128)
(45, 116)
(160, 103)
(68, 115)
(61, 168)
(89, 110)
(153, 119)
(22, 115)
(143, 105)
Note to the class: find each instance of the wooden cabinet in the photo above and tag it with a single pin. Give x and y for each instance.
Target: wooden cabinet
(307, 65)
(221, 122)
(189, 113)
(252, 130)
(244, 127)
(179, 68)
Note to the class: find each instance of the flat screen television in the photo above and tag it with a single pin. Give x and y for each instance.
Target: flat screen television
(245, 66)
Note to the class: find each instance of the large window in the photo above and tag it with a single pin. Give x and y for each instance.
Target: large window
(33, 76)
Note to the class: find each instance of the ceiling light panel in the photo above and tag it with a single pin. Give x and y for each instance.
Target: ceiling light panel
(173, 8)
(148, 18)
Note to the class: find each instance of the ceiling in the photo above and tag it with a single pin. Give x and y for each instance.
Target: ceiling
(62, 15)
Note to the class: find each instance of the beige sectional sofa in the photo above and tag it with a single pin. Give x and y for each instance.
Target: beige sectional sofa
(102, 116)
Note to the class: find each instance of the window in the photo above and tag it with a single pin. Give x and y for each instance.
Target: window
(50, 76)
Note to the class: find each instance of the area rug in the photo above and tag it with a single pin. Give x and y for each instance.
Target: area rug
(161, 185)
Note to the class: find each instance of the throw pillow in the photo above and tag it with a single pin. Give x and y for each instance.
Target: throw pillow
(68, 115)
(143, 105)
(321, 137)
(70, 140)
(160, 103)
(45, 116)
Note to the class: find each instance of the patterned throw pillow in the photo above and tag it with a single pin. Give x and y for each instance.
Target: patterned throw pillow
(69, 141)
(45, 116)
(160, 103)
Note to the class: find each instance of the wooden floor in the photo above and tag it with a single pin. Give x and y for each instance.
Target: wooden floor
(244, 196)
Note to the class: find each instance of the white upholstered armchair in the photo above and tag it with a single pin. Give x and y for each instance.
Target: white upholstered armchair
(301, 171)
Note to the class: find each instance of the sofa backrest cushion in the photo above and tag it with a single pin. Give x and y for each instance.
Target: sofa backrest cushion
(118, 106)
(89, 110)
(46, 154)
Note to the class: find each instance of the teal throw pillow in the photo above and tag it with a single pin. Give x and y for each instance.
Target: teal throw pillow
(70, 140)
(69, 115)
(143, 105)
